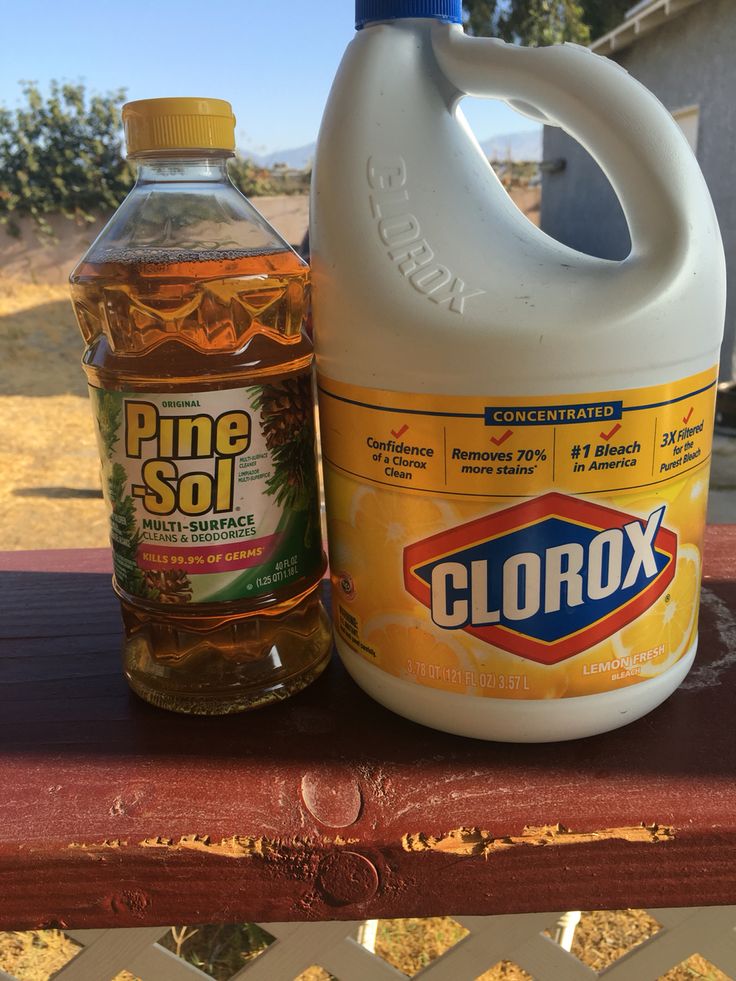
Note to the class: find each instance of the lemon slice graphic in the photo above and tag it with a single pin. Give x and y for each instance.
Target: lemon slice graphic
(669, 622)
(407, 649)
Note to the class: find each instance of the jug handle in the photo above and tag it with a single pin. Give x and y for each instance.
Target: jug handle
(626, 129)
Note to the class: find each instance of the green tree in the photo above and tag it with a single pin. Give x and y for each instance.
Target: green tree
(538, 22)
(249, 178)
(61, 154)
(602, 16)
(108, 415)
(253, 180)
(481, 18)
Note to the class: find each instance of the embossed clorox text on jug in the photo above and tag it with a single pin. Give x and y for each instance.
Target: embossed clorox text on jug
(401, 233)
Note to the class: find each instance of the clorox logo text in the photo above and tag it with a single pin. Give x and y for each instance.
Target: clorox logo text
(545, 579)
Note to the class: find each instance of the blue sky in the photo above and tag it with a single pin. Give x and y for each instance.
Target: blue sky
(274, 60)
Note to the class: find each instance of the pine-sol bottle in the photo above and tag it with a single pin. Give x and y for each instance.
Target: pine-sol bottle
(191, 307)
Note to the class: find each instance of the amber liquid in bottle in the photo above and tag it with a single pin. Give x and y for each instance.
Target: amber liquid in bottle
(158, 320)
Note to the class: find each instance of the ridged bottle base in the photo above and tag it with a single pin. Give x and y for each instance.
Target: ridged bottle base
(227, 665)
(228, 704)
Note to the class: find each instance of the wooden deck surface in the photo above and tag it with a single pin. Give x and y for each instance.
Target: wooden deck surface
(113, 813)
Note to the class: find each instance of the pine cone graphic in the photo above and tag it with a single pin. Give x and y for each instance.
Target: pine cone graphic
(285, 410)
(287, 423)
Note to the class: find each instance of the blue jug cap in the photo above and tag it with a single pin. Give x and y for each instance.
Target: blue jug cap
(370, 10)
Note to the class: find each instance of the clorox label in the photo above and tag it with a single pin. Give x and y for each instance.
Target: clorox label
(528, 547)
(545, 579)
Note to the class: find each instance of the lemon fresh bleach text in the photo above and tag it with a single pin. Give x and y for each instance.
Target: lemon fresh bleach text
(516, 436)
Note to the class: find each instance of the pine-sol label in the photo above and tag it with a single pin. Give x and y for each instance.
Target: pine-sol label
(534, 546)
(212, 495)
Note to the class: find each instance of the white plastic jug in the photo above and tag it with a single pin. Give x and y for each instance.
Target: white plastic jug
(516, 436)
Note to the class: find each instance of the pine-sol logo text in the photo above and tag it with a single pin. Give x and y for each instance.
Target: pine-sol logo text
(164, 489)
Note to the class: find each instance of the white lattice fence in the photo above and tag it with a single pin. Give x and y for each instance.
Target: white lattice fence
(708, 931)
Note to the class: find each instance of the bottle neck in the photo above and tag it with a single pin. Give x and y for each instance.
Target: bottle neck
(173, 168)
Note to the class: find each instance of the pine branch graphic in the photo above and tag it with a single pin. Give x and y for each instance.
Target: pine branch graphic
(109, 410)
(126, 537)
(287, 423)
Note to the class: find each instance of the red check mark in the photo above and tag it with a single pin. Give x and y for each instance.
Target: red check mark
(612, 433)
(686, 418)
(501, 439)
(399, 432)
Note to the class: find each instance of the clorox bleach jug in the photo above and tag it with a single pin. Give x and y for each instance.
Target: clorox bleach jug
(516, 436)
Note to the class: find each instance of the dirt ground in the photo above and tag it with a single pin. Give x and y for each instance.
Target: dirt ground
(50, 497)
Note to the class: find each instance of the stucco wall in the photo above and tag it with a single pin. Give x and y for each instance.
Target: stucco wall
(689, 60)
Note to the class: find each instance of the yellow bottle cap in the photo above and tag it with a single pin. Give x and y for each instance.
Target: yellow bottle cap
(178, 124)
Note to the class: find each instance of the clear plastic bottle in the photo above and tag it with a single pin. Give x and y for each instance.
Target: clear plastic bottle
(191, 307)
